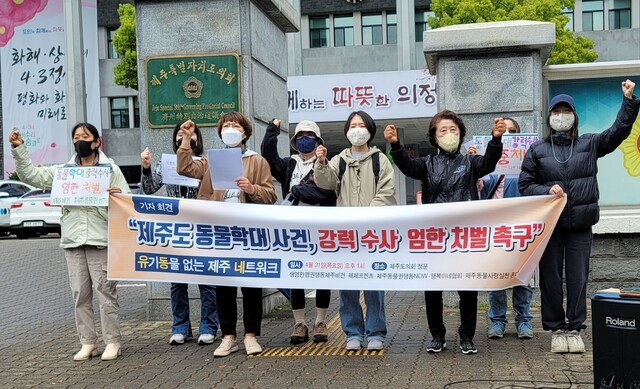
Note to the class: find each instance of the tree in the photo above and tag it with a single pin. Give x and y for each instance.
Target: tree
(568, 48)
(124, 41)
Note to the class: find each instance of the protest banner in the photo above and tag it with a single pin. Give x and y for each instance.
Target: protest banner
(470, 245)
(81, 186)
(514, 147)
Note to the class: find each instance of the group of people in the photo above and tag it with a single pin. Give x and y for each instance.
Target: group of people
(561, 163)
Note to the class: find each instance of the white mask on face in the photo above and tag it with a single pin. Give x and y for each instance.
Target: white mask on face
(449, 142)
(562, 122)
(231, 137)
(358, 136)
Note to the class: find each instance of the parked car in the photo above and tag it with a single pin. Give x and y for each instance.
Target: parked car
(33, 215)
(9, 191)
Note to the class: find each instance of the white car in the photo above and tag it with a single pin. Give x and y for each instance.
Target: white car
(9, 191)
(33, 215)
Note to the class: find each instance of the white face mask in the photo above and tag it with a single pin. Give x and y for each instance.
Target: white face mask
(562, 122)
(449, 142)
(231, 137)
(358, 136)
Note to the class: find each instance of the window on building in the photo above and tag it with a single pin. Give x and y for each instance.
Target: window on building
(136, 112)
(120, 112)
(112, 53)
(422, 23)
(392, 28)
(343, 30)
(619, 14)
(372, 29)
(319, 31)
(592, 15)
(569, 13)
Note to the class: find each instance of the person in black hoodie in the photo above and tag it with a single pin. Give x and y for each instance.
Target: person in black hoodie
(295, 174)
(448, 177)
(565, 163)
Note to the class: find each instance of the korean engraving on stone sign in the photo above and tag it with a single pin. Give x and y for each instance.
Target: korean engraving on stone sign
(81, 186)
(198, 88)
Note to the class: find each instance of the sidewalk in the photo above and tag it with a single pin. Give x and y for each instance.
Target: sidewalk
(38, 340)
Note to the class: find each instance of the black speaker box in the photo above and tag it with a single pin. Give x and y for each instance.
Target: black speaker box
(616, 338)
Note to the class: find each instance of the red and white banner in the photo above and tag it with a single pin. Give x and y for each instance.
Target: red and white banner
(383, 95)
(471, 245)
(34, 90)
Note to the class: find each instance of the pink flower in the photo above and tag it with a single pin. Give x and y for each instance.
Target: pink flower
(14, 13)
(6, 30)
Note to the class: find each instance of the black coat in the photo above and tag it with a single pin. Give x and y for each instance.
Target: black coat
(282, 169)
(432, 171)
(577, 176)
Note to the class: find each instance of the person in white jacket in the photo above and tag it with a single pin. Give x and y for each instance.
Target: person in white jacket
(83, 238)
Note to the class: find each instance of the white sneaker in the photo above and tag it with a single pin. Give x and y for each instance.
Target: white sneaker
(251, 345)
(374, 345)
(111, 352)
(205, 339)
(559, 342)
(574, 342)
(228, 346)
(87, 351)
(177, 339)
(354, 344)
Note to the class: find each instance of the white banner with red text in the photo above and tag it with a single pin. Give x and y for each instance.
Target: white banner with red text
(472, 245)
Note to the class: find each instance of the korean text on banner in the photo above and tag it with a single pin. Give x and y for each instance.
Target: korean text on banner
(81, 186)
(514, 148)
(471, 245)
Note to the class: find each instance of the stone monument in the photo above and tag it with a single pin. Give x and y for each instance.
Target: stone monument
(248, 34)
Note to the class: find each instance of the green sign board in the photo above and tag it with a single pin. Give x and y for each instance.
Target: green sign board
(200, 88)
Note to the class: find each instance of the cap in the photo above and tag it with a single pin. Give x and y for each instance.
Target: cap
(562, 99)
(306, 125)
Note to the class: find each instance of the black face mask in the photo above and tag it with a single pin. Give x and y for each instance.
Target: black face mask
(83, 148)
(193, 144)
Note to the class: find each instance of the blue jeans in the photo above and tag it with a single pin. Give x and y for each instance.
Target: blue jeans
(521, 303)
(180, 308)
(353, 322)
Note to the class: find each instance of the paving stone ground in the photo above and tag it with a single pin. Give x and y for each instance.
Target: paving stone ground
(38, 340)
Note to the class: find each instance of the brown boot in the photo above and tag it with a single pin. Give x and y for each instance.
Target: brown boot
(320, 333)
(300, 334)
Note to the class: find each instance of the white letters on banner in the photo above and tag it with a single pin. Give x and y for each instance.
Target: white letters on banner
(472, 245)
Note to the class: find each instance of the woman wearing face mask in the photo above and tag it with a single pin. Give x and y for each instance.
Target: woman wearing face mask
(448, 177)
(295, 174)
(151, 183)
(359, 186)
(255, 186)
(566, 163)
(84, 241)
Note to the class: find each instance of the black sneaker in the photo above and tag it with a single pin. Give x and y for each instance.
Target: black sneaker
(467, 346)
(436, 345)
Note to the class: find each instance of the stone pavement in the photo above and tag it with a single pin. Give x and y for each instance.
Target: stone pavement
(38, 340)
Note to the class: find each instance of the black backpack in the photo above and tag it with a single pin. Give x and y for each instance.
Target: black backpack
(375, 165)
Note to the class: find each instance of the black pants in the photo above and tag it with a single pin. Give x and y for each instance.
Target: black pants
(323, 297)
(468, 313)
(570, 250)
(228, 309)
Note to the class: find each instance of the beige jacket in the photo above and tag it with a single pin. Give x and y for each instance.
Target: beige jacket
(254, 168)
(358, 188)
(79, 225)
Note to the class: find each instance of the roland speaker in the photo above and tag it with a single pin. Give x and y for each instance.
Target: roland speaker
(616, 338)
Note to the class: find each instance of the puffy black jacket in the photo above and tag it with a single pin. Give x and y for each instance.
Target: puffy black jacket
(577, 176)
(282, 169)
(432, 171)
